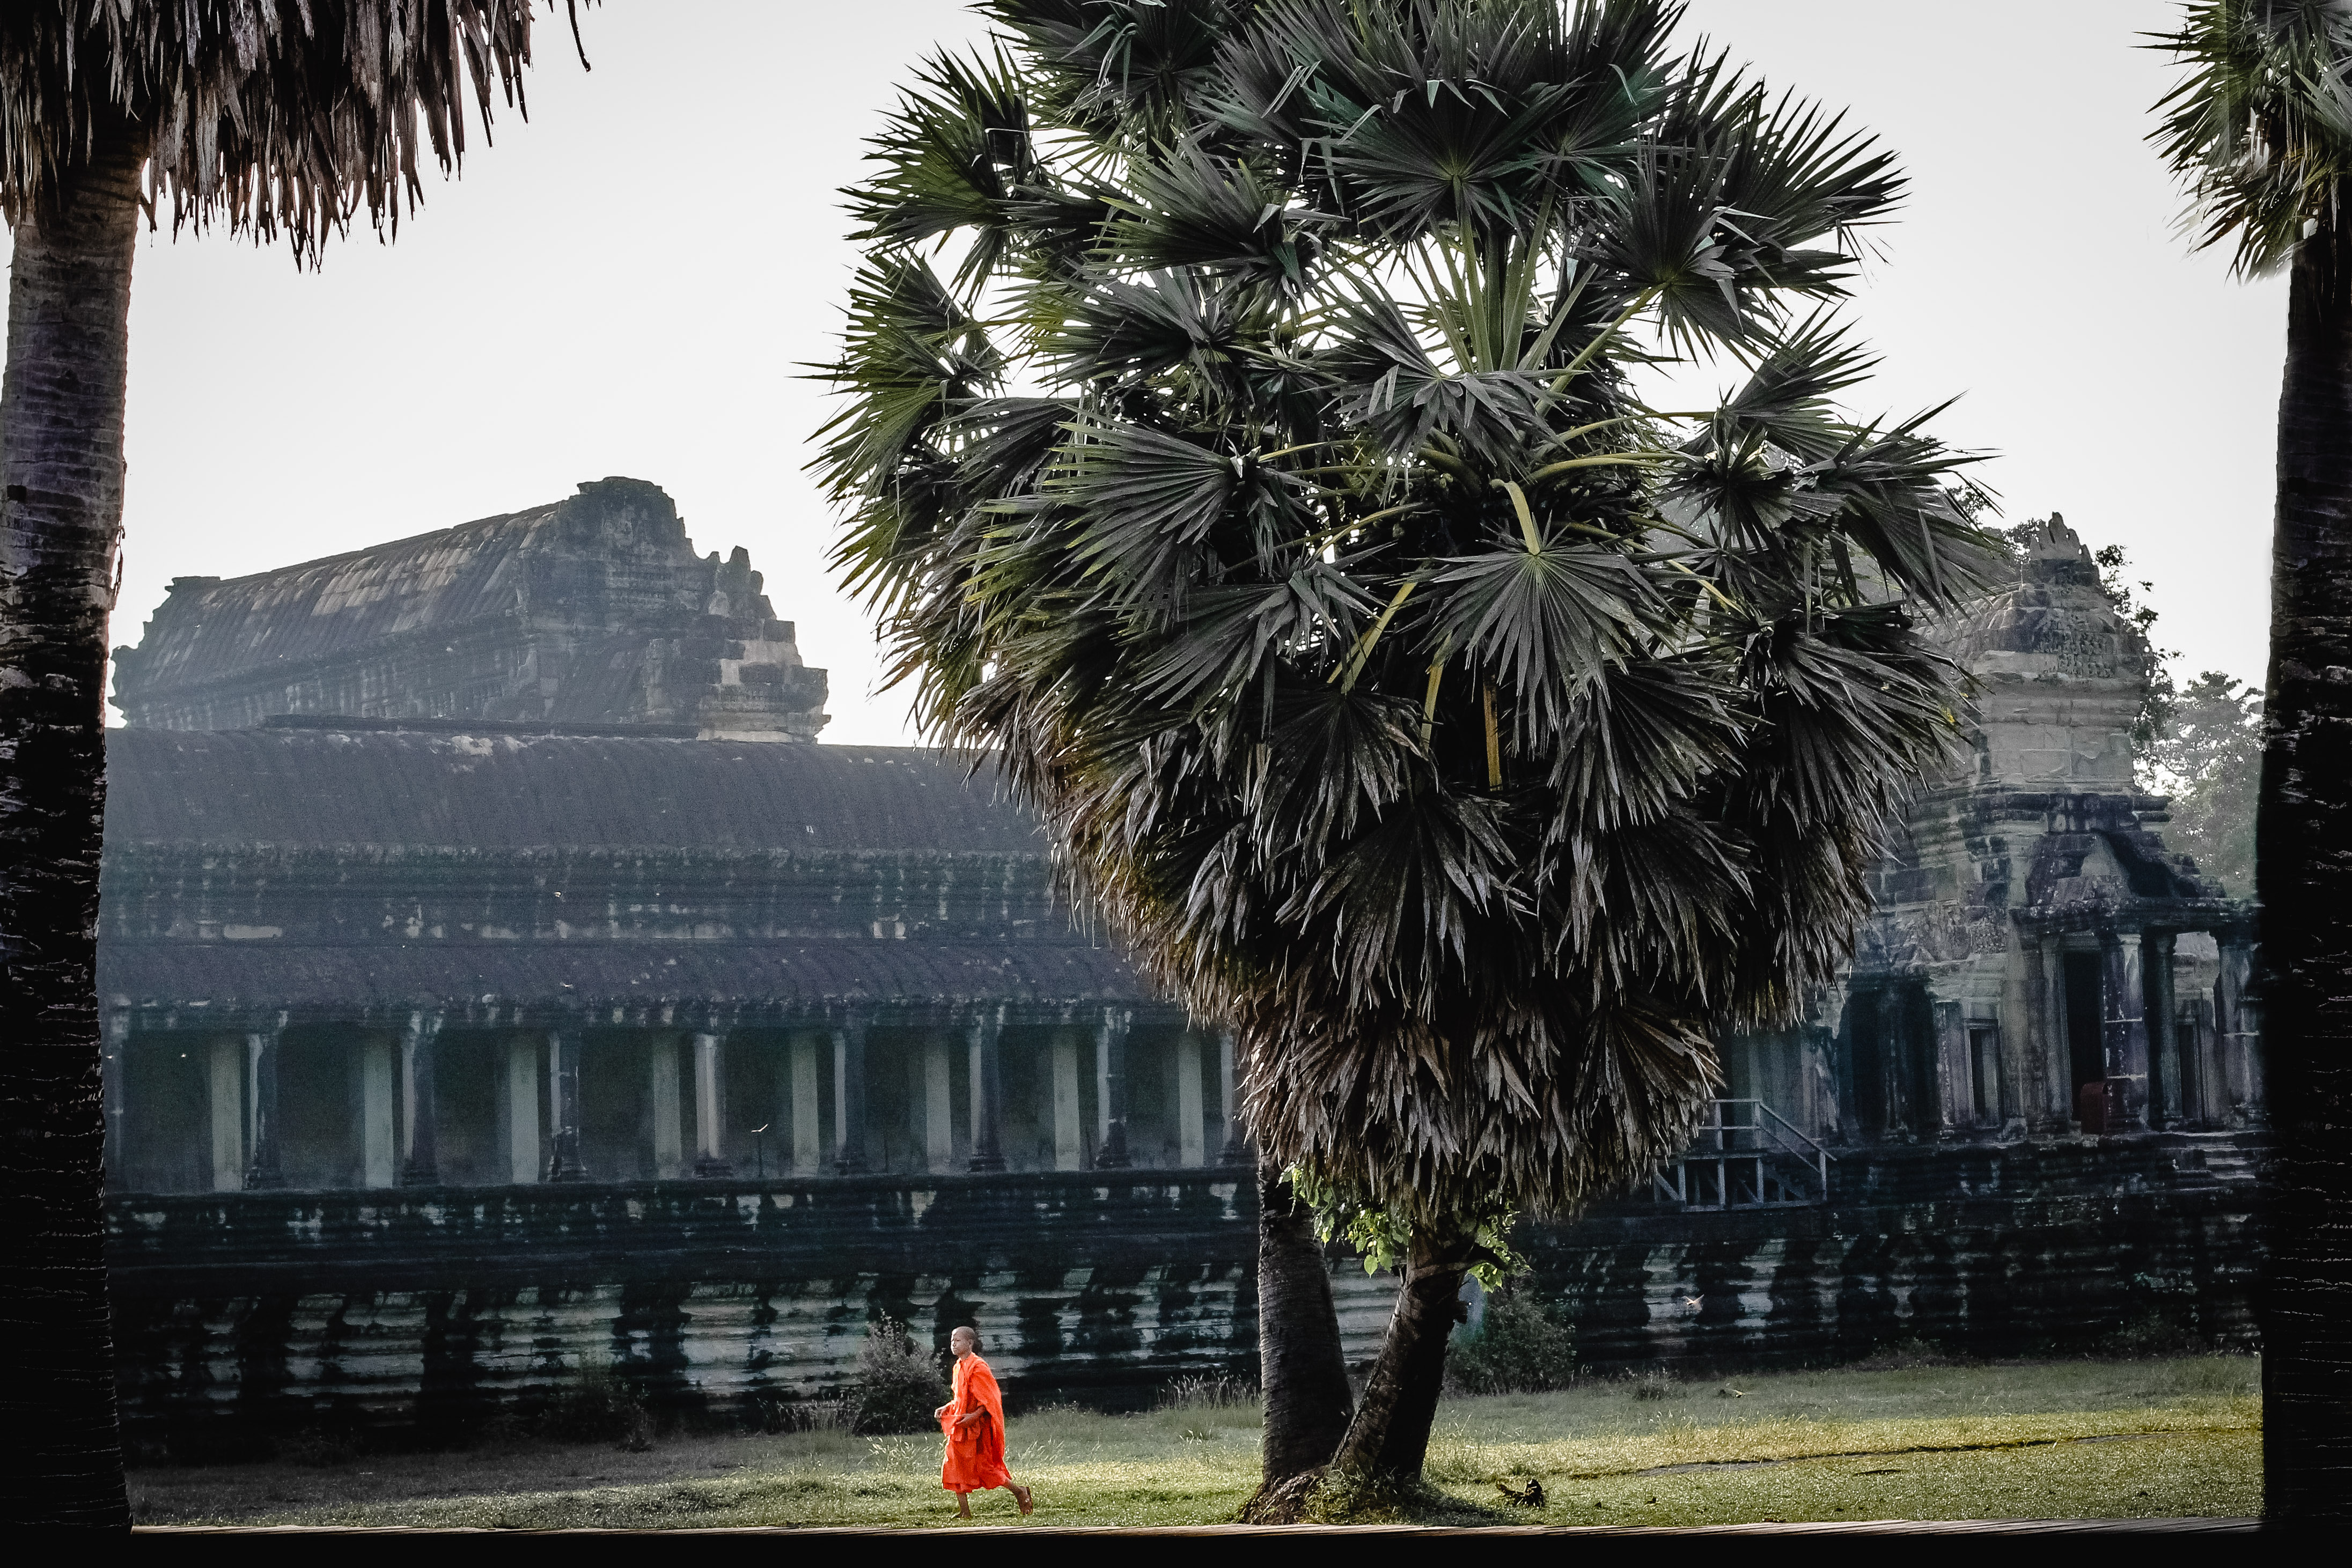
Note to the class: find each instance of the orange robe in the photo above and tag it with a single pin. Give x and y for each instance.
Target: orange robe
(976, 1459)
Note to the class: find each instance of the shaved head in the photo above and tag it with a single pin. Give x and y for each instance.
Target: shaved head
(963, 1339)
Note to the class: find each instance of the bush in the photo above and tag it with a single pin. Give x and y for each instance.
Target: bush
(1526, 1345)
(599, 1404)
(898, 1384)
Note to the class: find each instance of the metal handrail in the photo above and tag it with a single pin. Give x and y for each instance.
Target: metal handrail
(1795, 1131)
(1783, 1139)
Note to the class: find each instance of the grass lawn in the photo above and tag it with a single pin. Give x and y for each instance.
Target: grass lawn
(2073, 1439)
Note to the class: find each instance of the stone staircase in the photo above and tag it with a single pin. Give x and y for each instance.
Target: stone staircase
(2223, 1159)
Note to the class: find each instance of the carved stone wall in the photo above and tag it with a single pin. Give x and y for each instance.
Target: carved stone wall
(237, 1315)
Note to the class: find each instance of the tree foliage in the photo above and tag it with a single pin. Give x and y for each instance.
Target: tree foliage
(2210, 760)
(2161, 691)
(1268, 479)
(899, 1387)
(1524, 1344)
(2259, 127)
(271, 116)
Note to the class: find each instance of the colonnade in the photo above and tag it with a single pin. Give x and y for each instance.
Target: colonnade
(2107, 1030)
(813, 1085)
(2161, 1062)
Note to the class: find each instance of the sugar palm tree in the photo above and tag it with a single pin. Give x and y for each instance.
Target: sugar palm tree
(1269, 482)
(2259, 130)
(279, 119)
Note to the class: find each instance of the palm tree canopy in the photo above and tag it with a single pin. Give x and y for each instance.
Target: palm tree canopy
(270, 116)
(1267, 480)
(2260, 128)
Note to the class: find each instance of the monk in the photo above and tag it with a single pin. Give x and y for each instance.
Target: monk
(974, 1423)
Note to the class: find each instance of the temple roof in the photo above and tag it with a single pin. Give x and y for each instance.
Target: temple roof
(210, 629)
(746, 979)
(358, 873)
(505, 790)
(590, 610)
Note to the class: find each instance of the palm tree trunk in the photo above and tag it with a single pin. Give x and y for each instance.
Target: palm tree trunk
(1302, 1369)
(2303, 874)
(61, 411)
(1389, 1439)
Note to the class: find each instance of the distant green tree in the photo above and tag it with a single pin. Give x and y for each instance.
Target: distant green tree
(2208, 759)
(2156, 701)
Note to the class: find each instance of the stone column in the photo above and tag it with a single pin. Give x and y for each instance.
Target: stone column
(669, 1108)
(2056, 1055)
(563, 1163)
(1236, 1149)
(1110, 1089)
(262, 1167)
(2229, 1009)
(1955, 1096)
(229, 1069)
(374, 1098)
(114, 1058)
(519, 1097)
(2166, 1109)
(1069, 1127)
(808, 1110)
(987, 1068)
(849, 1097)
(710, 1106)
(2197, 1047)
(939, 1104)
(1192, 1145)
(2018, 1019)
(420, 1118)
(2123, 1030)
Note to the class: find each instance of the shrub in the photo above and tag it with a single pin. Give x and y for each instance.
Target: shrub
(599, 1404)
(1526, 1345)
(898, 1384)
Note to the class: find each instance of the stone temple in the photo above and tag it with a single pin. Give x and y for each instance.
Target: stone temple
(593, 611)
(497, 980)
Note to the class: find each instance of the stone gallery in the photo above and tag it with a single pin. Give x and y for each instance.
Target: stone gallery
(498, 979)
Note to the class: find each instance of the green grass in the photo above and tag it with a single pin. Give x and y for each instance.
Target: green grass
(2056, 1440)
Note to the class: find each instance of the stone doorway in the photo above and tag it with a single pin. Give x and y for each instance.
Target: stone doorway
(2085, 1050)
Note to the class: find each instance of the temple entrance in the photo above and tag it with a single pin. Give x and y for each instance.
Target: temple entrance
(1892, 1042)
(2085, 1048)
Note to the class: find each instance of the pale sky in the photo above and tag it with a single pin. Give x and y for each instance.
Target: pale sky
(630, 282)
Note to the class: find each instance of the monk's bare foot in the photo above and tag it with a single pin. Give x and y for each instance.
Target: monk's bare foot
(1021, 1495)
(963, 1506)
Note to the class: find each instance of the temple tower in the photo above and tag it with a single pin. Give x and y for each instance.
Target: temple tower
(592, 612)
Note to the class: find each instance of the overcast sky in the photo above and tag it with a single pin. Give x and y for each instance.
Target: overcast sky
(629, 283)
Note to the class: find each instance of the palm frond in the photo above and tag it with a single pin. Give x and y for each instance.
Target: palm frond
(1472, 739)
(269, 117)
(2260, 128)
